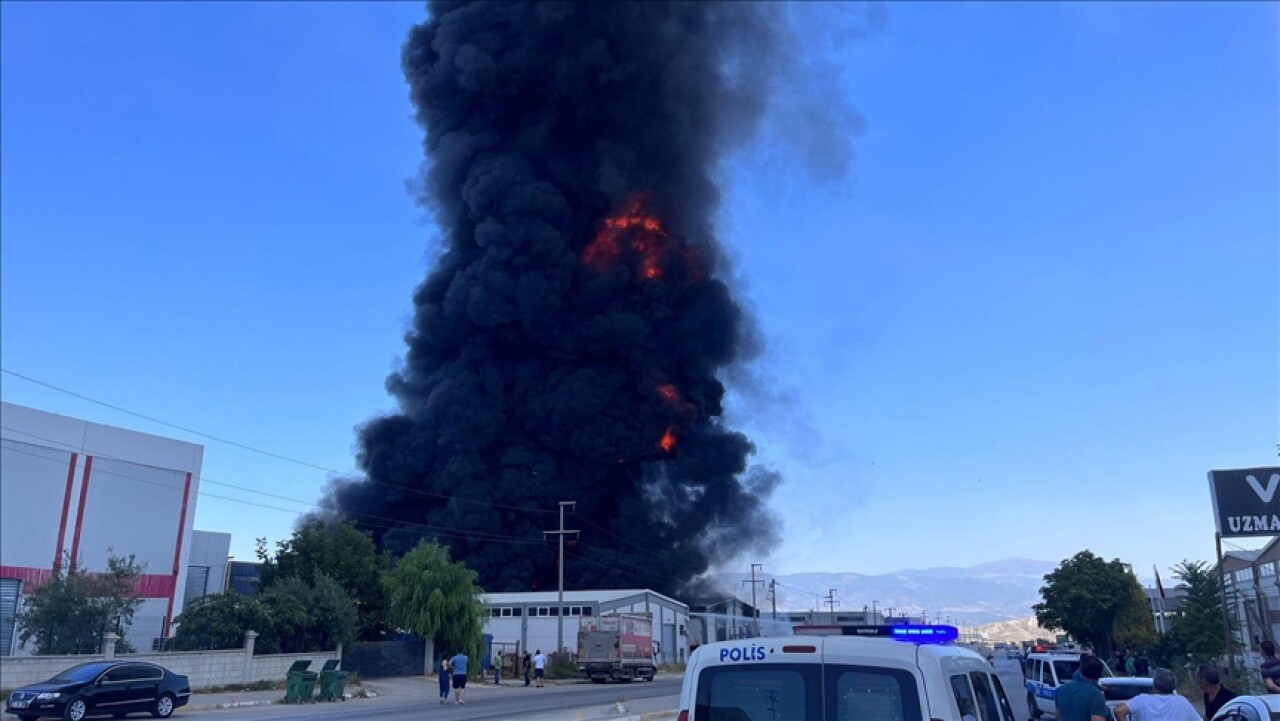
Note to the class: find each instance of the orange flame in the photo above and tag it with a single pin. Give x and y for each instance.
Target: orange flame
(668, 442)
(650, 244)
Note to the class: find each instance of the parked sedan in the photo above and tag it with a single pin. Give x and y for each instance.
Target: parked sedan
(115, 688)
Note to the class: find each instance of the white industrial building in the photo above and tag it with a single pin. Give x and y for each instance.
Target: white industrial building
(531, 620)
(69, 486)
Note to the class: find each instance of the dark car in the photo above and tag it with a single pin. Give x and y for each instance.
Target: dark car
(102, 688)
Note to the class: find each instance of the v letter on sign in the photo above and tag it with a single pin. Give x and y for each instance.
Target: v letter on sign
(1266, 494)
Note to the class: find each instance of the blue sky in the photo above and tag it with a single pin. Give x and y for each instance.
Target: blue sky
(1038, 309)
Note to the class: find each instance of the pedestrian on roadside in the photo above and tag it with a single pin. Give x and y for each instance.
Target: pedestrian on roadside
(1081, 699)
(1143, 666)
(459, 664)
(539, 668)
(1270, 667)
(445, 674)
(1215, 694)
(497, 670)
(1131, 665)
(1163, 705)
(528, 664)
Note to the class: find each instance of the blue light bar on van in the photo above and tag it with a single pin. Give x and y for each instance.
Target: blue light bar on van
(911, 633)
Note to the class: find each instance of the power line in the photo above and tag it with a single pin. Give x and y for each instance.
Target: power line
(523, 509)
(647, 549)
(364, 518)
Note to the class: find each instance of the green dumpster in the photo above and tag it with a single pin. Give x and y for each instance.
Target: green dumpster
(300, 683)
(333, 682)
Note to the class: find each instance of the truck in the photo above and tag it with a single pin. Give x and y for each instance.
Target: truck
(617, 646)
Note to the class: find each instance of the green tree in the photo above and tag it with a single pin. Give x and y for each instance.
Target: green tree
(309, 616)
(1083, 596)
(218, 621)
(1134, 627)
(344, 554)
(69, 613)
(437, 599)
(1198, 630)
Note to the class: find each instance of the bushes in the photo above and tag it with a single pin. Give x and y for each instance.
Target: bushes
(290, 616)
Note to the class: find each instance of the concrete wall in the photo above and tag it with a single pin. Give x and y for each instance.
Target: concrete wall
(206, 669)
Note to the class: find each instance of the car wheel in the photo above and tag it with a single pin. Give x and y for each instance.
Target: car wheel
(164, 706)
(76, 710)
(1032, 708)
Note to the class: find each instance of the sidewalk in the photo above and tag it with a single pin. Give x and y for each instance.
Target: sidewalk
(410, 688)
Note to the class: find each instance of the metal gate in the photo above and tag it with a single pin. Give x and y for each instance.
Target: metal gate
(380, 659)
(9, 590)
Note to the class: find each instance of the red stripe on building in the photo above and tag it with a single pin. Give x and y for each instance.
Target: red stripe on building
(66, 508)
(32, 578)
(84, 495)
(147, 585)
(177, 554)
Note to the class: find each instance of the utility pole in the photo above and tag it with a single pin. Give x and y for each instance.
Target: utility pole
(875, 615)
(560, 534)
(773, 595)
(831, 603)
(755, 612)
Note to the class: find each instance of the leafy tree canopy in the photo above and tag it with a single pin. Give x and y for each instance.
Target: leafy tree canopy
(311, 615)
(1084, 596)
(69, 614)
(437, 599)
(341, 552)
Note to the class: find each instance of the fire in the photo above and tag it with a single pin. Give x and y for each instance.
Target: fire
(648, 242)
(668, 393)
(668, 442)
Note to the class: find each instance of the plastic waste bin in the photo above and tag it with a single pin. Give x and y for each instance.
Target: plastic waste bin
(300, 683)
(333, 682)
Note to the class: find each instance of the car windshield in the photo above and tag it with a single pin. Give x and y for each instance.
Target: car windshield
(83, 672)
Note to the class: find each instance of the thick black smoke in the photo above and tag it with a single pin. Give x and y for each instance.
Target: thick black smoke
(566, 344)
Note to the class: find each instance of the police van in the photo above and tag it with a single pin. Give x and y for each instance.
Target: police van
(1045, 672)
(868, 673)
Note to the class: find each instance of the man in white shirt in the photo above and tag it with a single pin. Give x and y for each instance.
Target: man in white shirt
(1163, 705)
(539, 668)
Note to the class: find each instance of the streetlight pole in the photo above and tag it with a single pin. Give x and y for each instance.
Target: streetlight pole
(560, 534)
(755, 612)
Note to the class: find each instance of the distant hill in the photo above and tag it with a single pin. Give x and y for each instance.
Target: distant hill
(997, 591)
(1019, 629)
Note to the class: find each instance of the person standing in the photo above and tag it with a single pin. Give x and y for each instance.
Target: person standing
(497, 670)
(1215, 694)
(1163, 705)
(1270, 667)
(528, 664)
(1081, 699)
(459, 664)
(539, 668)
(445, 674)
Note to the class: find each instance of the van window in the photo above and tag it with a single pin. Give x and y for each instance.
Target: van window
(867, 693)
(1065, 670)
(759, 692)
(1033, 670)
(1005, 708)
(964, 697)
(984, 697)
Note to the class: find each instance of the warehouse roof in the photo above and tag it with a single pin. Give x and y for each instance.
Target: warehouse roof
(590, 596)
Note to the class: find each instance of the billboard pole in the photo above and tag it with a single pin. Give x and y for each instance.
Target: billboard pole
(1222, 583)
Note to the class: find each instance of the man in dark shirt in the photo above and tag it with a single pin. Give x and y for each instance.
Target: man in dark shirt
(1270, 667)
(1082, 700)
(1215, 694)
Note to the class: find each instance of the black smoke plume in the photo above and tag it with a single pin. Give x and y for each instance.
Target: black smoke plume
(567, 341)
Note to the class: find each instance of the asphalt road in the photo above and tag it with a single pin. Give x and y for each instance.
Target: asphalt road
(575, 702)
(1010, 673)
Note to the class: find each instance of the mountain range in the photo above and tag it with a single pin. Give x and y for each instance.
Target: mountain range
(988, 592)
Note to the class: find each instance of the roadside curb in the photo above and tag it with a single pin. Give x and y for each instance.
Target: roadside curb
(230, 704)
(651, 716)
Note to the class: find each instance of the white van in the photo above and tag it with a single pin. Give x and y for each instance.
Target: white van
(834, 678)
(1045, 672)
